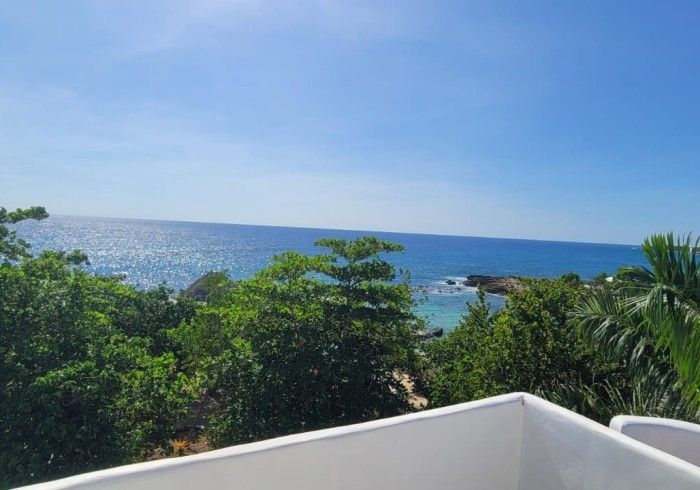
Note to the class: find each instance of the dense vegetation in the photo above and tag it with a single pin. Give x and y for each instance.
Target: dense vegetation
(555, 338)
(309, 342)
(95, 373)
(530, 346)
(86, 380)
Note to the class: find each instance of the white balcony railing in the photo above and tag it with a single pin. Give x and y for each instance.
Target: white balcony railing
(510, 442)
(681, 439)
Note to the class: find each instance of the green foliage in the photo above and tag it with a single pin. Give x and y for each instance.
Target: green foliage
(468, 362)
(150, 313)
(308, 342)
(83, 384)
(600, 279)
(528, 346)
(668, 296)
(95, 373)
(651, 395)
(544, 347)
(13, 248)
(211, 287)
(583, 347)
(649, 319)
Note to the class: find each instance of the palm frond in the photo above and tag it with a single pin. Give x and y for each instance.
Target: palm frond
(657, 307)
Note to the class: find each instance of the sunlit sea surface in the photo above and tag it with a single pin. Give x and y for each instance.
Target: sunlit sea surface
(152, 252)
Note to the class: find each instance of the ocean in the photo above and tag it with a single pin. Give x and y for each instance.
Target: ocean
(149, 253)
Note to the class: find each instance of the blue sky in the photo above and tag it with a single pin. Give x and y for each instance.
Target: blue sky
(551, 120)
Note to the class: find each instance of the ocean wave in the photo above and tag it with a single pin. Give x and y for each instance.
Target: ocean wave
(455, 278)
(464, 290)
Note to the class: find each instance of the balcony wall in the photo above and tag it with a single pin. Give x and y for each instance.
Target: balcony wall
(509, 442)
(563, 450)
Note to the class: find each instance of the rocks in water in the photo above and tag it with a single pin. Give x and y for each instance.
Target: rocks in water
(499, 285)
(494, 284)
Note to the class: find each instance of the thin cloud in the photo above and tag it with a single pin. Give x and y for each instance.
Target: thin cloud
(159, 165)
(189, 23)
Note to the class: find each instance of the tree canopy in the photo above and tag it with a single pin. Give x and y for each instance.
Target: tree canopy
(308, 342)
(12, 247)
(84, 382)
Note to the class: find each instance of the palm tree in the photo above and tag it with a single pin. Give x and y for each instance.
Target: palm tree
(650, 317)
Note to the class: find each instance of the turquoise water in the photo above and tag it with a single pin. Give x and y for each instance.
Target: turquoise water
(152, 252)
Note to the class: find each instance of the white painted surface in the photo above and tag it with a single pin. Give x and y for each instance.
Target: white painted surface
(682, 439)
(474, 445)
(563, 450)
(510, 442)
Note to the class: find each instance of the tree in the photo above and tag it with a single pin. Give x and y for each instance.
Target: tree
(150, 313)
(467, 362)
(650, 317)
(83, 384)
(13, 248)
(308, 342)
(530, 346)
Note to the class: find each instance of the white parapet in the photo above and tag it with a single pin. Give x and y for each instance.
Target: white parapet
(675, 437)
(509, 442)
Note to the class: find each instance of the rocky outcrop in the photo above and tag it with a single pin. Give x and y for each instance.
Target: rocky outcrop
(498, 285)
(494, 284)
(210, 283)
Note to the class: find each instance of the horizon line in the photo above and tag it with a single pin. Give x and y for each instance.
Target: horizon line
(447, 235)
